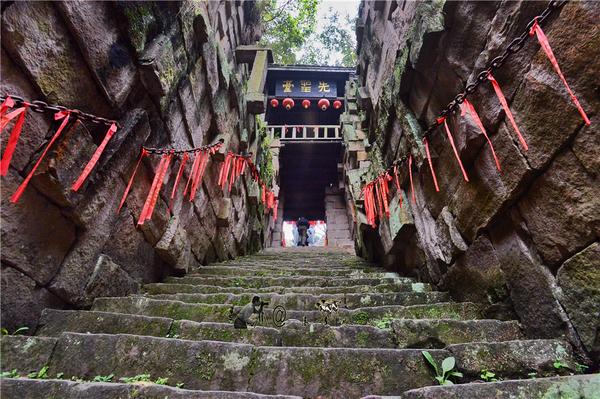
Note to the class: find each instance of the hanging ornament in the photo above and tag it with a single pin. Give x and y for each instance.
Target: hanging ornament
(306, 104)
(323, 104)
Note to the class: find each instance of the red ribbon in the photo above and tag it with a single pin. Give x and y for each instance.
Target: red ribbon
(455, 150)
(537, 30)
(92, 162)
(6, 104)
(466, 106)
(430, 164)
(369, 204)
(192, 173)
(509, 114)
(14, 136)
(152, 198)
(64, 115)
(200, 168)
(398, 185)
(275, 210)
(179, 173)
(126, 193)
(412, 187)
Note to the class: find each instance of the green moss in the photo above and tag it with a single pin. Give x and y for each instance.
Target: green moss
(362, 339)
(309, 367)
(360, 318)
(206, 366)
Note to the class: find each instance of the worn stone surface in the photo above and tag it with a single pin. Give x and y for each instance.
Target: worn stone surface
(42, 389)
(579, 280)
(23, 300)
(584, 386)
(512, 358)
(26, 354)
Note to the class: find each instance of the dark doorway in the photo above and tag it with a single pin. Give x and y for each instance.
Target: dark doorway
(306, 169)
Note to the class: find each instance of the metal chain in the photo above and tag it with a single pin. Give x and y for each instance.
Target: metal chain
(43, 107)
(514, 47)
(191, 150)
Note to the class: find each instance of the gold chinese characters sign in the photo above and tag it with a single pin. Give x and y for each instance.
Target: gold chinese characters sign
(305, 88)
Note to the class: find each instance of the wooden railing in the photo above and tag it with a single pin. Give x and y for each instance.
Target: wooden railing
(305, 132)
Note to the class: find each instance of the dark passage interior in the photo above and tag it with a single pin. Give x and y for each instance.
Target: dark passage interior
(306, 170)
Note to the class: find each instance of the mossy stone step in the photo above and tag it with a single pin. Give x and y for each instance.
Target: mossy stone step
(570, 387)
(513, 359)
(296, 281)
(26, 354)
(379, 316)
(404, 333)
(211, 365)
(308, 302)
(259, 271)
(19, 388)
(53, 322)
(414, 333)
(172, 288)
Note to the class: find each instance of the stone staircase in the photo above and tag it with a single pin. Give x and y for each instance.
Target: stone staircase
(180, 330)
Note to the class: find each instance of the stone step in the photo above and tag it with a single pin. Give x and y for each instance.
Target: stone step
(296, 281)
(211, 365)
(260, 271)
(378, 316)
(297, 301)
(414, 333)
(403, 334)
(171, 288)
(568, 387)
(19, 388)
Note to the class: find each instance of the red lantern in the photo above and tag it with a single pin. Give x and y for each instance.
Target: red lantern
(288, 103)
(274, 103)
(306, 104)
(323, 104)
(337, 104)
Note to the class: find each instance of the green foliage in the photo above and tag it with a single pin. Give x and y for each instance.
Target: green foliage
(337, 36)
(42, 374)
(10, 374)
(287, 26)
(488, 376)
(59, 376)
(264, 157)
(360, 318)
(136, 378)
(18, 331)
(179, 385)
(103, 378)
(443, 375)
(161, 381)
(558, 365)
(580, 368)
(532, 375)
(384, 322)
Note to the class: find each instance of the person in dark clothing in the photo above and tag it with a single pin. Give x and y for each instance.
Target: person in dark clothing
(244, 317)
(302, 225)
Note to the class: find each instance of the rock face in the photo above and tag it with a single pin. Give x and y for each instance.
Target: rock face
(166, 72)
(523, 240)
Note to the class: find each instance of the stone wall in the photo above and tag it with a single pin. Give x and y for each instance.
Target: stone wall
(167, 72)
(524, 240)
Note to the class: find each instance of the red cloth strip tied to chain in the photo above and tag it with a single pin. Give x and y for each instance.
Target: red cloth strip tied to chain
(507, 111)
(541, 36)
(92, 162)
(64, 115)
(462, 168)
(465, 107)
(412, 187)
(233, 167)
(430, 164)
(369, 204)
(398, 188)
(16, 131)
(157, 183)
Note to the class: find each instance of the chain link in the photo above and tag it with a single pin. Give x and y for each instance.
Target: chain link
(514, 47)
(41, 107)
(191, 150)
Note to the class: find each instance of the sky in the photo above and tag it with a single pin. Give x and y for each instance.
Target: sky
(345, 8)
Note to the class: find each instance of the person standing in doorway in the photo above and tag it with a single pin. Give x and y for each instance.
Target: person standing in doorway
(302, 225)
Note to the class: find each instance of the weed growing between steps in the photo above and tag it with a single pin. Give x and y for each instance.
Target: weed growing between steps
(444, 373)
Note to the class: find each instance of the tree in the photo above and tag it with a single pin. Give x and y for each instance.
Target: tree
(287, 26)
(337, 37)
